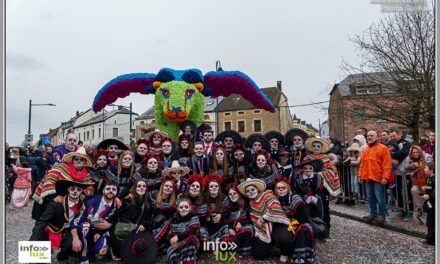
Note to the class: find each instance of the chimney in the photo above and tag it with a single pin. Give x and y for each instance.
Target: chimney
(279, 85)
(77, 113)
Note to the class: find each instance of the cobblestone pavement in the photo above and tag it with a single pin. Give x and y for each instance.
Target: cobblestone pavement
(350, 242)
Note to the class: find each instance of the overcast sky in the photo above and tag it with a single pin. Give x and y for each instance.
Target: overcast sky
(63, 52)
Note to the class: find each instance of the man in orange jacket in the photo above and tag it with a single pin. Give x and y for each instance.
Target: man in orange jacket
(375, 170)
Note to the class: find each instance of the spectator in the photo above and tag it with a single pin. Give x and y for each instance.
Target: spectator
(429, 147)
(385, 136)
(363, 132)
(375, 172)
(429, 205)
(359, 139)
(353, 161)
(393, 147)
(22, 185)
(70, 144)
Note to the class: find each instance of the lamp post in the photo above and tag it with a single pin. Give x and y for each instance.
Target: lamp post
(30, 116)
(131, 118)
(218, 67)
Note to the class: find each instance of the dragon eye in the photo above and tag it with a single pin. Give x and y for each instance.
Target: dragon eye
(189, 93)
(165, 93)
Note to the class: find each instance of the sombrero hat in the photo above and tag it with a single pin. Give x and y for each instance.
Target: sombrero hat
(275, 134)
(295, 132)
(80, 152)
(317, 164)
(259, 184)
(151, 133)
(111, 141)
(207, 120)
(175, 166)
(139, 247)
(229, 133)
(325, 145)
(62, 185)
(187, 123)
(257, 138)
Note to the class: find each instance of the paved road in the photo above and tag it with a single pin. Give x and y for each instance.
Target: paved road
(350, 242)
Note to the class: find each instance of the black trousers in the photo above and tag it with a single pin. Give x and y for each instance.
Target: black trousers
(430, 223)
(66, 246)
(280, 237)
(325, 195)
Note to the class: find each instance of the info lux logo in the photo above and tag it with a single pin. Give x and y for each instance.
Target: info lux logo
(223, 251)
(34, 252)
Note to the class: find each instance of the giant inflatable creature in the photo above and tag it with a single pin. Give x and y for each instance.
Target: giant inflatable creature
(179, 94)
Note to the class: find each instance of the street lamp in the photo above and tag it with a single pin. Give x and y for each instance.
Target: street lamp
(218, 67)
(131, 117)
(30, 115)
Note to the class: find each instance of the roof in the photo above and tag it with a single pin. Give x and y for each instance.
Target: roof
(149, 114)
(211, 103)
(102, 117)
(237, 102)
(346, 86)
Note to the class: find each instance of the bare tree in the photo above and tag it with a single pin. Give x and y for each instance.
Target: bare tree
(400, 51)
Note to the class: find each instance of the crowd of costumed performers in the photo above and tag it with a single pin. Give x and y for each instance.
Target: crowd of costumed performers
(268, 194)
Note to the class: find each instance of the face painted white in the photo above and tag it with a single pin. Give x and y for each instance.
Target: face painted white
(220, 155)
(213, 189)
(198, 150)
(141, 188)
(74, 192)
(233, 195)
(257, 145)
(142, 149)
(113, 150)
(239, 155)
(156, 139)
(308, 170)
(251, 192)
(152, 165)
(101, 161)
(184, 208)
(168, 187)
(166, 147)
(184, 144)
(207, 137)
(261, 161)
(176, 174)
(316, 147)
(127, 160)
(274, 143)
(297, 142)
(281, 189)
(110, 191)
(194, 189)
(78, 163)
(229, 142)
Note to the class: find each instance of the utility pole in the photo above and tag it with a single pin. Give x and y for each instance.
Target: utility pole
(131, 123)
(218, 67)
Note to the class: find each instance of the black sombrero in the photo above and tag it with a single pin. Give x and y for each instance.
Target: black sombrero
(187, 123)
(317, 164)
(111, 141)
(229, 133)
(275, 134)
(139, 247)
(62, 185)
(257, 138)
(295, 132)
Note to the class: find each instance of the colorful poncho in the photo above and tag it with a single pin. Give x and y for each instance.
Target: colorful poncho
(269, 208)
(329, 173)
(59, 171)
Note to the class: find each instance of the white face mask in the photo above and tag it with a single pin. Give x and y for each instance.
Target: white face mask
(233, 196)
(184, 208)
(110, 191)
(152, 165)
(184, 144)
(257, 146)
(316, 147)
(127, 161)
(142, 150)
(74, 192)
(141, 188)
(297, 142)
(168, 187)
(213, 189)
(113, 150)
(308, 170)
(101, 161)
(261, 161)
(281, 189)
(156, 139)
(194, 189)
(219, 155)
(251, 192)
(166, 148)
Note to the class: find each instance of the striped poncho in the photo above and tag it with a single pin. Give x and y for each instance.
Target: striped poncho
(269, 208)
(329, 173)
(59, 171)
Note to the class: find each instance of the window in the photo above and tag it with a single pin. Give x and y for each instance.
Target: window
(240, 125)
(115, 132)
(88, 135)
(257, 111)
(227, 114)
(93, 134)
(240, 113)
(99, 132)
(228, 125)
(79, 136)
(380, 113)
(373, 90)
(257, 125)
(357, 115)
(361, 90)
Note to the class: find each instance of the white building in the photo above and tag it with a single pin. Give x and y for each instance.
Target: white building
(113, 124)
(325, 130)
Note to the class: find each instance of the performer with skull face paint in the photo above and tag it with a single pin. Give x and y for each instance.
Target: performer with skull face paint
(184, 148)
(216, 221)
(151, 172)
(270, 221)
(168, 155)
(141, 152)
(240, 163)
(162, 203)
(241, 229)
(318, 147)
(100, 165)
(295, 139)
(113, 147)
(256, 142)
(178, 173)
(296, 210)
(284, 166)
(57, 220)
(91, 227)
(208, 142)
(184, 229)
(155, 138)
(199, 162)
(276, 142)
(136, 211)
(188, 129)
(229, 138)
(124, 172)
(220, 165)
(263, 168)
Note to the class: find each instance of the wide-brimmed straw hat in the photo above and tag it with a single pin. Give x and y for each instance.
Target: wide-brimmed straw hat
(175, 166)
(325, 145)
(259, 184)
(151, 133)
(80, 152)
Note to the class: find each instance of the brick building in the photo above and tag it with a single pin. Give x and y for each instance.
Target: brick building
(236, 113)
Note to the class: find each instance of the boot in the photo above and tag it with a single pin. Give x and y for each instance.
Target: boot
(380, 220)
